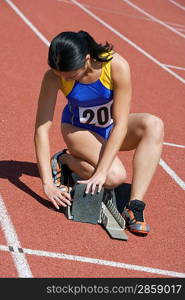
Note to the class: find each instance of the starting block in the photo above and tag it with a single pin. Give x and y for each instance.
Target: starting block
(85, 208)
(110, 217)
(99, 208)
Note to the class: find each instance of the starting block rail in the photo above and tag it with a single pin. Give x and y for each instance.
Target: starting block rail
(111, 225)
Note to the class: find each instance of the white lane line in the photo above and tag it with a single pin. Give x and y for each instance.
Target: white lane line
(111, 29)
(40, 35)
(115, 11)
(172, 174)
(19, 259)
(123, 37)
(178, 26)
(153, 18)
(177, 4)
(33, 28)
(174, 145)
(96, 261)
(175, 67)
(181, 29)
(11, 236)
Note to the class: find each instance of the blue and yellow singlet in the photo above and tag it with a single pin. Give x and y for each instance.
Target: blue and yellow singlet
(90, 104)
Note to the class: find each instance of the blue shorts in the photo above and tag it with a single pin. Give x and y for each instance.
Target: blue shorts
(67, 118)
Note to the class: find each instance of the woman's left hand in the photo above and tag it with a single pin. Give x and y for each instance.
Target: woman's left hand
(94, 183)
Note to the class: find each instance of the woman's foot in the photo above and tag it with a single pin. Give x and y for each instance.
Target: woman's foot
(133, 214)
(60, 172)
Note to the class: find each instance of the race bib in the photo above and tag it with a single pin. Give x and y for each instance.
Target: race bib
(100, 116)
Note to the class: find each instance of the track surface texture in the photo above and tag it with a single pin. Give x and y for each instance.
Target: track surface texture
(35, 239)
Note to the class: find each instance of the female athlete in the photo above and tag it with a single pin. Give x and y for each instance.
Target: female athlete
(96, 124)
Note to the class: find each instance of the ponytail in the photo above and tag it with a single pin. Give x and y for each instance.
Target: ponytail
(68, 51)
(95, 49)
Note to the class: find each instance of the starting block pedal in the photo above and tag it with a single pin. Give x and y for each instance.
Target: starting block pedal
(99, 208)
(85, 208)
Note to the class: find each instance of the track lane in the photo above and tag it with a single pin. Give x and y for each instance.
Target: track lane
(41, 228)
(66, 268)
(7, 270)
(175, 158)
(163, 10)
(36, 215)
(146, 89)
(153, 37)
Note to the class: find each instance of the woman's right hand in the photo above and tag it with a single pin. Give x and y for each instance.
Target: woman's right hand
(57, 196)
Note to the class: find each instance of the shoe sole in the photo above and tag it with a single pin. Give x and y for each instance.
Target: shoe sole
(56, 166)
(130, 226)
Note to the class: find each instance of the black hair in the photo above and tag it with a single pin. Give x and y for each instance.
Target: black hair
(68, 50)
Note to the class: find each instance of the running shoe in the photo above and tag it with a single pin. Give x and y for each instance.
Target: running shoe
(134, 217)
(60, 172)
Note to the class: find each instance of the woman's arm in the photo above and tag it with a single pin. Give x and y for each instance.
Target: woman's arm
(121, 107)
(45, 111)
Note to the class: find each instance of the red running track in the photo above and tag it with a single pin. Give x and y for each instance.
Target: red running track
(43, 233)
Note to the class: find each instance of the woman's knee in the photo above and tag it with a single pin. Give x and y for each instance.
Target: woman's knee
(153, 127)
(116, 176)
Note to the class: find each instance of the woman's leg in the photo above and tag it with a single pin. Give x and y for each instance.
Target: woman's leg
(145, 134)
(85, 149)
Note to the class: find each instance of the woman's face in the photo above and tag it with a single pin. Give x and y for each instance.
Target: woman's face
(72, 75)
(76, 74)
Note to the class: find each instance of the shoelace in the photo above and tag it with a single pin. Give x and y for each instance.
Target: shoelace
(138, 213)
